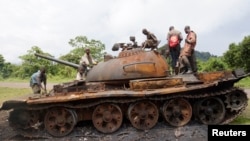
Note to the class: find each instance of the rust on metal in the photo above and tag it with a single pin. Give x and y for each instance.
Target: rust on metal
(155, 83)
(214, 76)
(145, 64)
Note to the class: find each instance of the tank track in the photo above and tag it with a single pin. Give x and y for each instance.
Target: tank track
(230, 115)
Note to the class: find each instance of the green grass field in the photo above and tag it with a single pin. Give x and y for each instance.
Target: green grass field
(10, 93)
(244, 118)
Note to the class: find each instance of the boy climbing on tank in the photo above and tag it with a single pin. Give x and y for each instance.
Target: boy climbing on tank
(86, 63)
(151, 41)
(36, 81)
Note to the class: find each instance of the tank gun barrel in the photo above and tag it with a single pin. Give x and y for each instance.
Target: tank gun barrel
(58, 60)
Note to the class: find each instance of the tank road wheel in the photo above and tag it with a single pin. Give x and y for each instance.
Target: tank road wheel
(24, 119)
(143, 114)
(60, 121)
(107, 118)
(236, 100)
(177, 112)
(210, 110)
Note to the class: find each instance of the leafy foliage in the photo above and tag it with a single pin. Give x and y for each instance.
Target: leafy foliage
(6, 68)
(213, 64)
(80, 43)
(31, 63)
(237, 55)
(1, 61)
(203, 56)
(245, 45)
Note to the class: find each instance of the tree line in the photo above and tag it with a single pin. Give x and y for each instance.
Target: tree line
(235, 57)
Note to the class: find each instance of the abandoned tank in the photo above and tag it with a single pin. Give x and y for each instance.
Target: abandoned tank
(136, 86)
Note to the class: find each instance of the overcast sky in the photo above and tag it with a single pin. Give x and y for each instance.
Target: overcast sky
(50, 24)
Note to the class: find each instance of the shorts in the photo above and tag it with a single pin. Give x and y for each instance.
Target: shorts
(36, 89)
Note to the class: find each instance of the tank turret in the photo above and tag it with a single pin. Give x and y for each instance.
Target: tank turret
(130, 64)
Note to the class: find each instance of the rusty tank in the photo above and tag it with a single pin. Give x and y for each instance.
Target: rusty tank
(136, 86)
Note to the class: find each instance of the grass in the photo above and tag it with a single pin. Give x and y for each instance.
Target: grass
(245, 82)
(11, 93)
(241, 120)
(244, 118)
(49, 80)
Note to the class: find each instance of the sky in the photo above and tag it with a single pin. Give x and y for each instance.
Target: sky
(50, 24)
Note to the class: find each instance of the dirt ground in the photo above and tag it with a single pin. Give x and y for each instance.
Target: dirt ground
(85, 132)
(193, 131)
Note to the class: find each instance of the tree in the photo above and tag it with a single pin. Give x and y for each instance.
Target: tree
(31, 63)
(1, 62)
(213, 64)
(237, 55)
(80, 43)
(245, 45)
(6, 68)
(203, 56)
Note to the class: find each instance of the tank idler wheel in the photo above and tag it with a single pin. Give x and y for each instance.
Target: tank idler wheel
(210, 111)
(60, 121)
(236, 100)
(177, 112)
(143, 114)
(107, 118)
